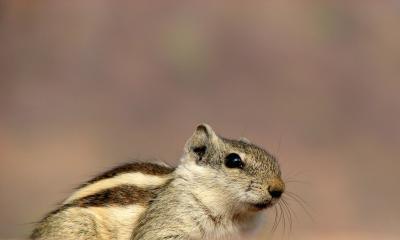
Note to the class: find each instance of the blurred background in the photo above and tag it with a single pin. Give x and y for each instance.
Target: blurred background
(87, 85)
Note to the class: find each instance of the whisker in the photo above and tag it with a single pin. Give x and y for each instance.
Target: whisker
(305, 205)
(289, 220)
(284, 218)
(279, 214)
(298, 197)
(289, 215)
(283, 225)
(293, 212)
(274, 226)
(296, 181)
(301, 203)
(295, 174)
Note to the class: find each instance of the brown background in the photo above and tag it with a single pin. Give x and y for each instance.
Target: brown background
(85, 85)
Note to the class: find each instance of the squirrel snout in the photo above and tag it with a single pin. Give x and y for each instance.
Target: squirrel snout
(276, 188)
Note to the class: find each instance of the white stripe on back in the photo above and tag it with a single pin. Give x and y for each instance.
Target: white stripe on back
(135, 178)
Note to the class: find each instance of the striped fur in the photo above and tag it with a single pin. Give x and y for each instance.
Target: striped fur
(139, 179)
(203, 198)
(107, 206)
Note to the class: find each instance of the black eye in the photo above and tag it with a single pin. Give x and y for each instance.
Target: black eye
(233, 160)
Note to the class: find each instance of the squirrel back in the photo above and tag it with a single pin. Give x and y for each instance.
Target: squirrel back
(107, 206)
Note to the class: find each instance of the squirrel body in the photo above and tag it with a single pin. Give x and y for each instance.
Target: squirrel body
(217, 191)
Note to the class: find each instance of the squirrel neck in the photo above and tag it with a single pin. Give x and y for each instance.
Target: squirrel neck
(198, 182)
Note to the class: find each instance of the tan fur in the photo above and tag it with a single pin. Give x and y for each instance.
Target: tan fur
(204, 198)
(120, 219)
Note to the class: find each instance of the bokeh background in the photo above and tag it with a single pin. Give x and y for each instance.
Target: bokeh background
(86, 85)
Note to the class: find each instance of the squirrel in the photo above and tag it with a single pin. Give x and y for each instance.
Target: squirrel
(217, 191)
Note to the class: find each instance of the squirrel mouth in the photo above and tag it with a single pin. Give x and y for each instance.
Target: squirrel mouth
(262, 205)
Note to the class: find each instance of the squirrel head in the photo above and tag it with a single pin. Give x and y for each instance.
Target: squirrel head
(243, 174)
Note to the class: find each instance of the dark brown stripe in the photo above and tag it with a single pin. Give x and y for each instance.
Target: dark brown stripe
(143, 167)
(119, 196)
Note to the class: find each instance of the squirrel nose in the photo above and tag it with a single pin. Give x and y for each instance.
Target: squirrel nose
(275, 193)
(276, 189)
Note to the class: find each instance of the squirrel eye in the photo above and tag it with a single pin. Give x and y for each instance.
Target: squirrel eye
(233, 160)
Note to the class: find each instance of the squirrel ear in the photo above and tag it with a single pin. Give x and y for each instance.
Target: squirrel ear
(202, 139)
